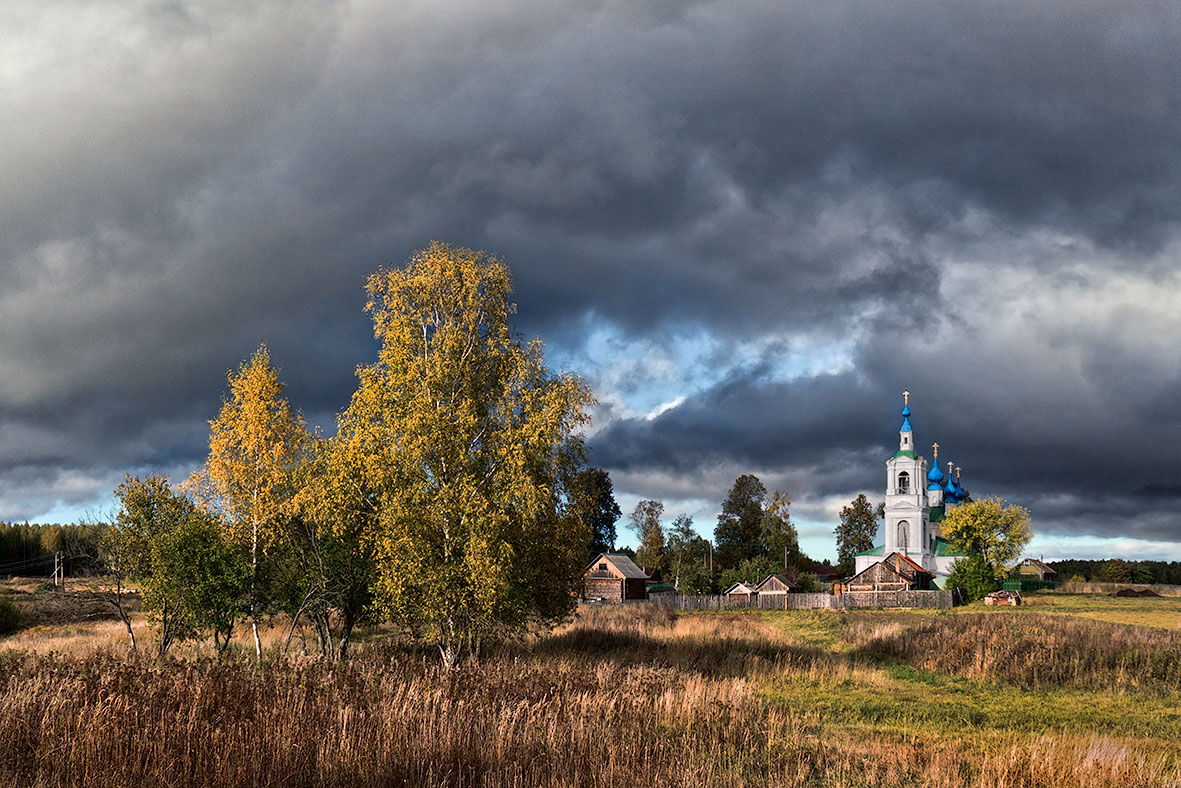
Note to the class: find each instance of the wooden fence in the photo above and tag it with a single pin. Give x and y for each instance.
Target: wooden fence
(847, 601)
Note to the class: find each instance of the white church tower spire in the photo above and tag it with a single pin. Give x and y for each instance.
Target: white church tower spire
(907, 511)
(905, 433)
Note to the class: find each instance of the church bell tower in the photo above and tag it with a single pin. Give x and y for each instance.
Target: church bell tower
(907, 510)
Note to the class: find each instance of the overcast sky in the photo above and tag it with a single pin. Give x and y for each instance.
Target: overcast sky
(748, 225)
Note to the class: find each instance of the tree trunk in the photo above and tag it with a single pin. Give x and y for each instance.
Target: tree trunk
(450, 645)
(346, 631)
(123, 614)
(166, 629)
(254, 589)
(294, 622)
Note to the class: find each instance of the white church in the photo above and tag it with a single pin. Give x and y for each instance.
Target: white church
(916, 501)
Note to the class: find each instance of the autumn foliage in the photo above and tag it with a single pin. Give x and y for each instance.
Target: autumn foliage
(441, 503)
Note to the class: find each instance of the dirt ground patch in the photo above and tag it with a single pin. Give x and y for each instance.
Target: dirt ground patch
(47, 607)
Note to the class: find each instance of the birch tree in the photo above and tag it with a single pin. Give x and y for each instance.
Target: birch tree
(255, 445)
(645, 522)
(463, 437)
(990, 529)
(329, 547)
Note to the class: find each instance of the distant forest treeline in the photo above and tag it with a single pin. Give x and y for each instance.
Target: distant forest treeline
(1116, 570)
(28, 550)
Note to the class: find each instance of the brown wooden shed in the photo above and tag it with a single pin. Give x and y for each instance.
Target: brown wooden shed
(774, 584)
(741, 593)
(614, 577)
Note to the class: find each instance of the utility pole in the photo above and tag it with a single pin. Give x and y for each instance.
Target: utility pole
(58, 571)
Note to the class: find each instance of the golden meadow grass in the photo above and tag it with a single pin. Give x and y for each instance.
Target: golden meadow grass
(628, 695)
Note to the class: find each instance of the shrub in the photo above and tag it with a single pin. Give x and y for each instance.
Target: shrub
(10, 618)
(974, 576)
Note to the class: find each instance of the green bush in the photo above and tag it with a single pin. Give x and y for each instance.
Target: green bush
(972, 574)
(10, 618)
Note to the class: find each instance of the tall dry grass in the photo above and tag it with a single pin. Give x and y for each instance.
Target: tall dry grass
(1087, 587)
(1033, 651)
(629, 696)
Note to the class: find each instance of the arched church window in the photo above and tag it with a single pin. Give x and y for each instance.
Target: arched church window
(903, 535)
(904, 482)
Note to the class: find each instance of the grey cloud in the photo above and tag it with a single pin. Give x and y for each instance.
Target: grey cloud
(184, 180)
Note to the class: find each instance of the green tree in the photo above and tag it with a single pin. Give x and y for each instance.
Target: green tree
(645, 522)
(123, 557)
(1115, 570)
(328, 567)
(592, 499)
(990, 529)
(859, 523)
(189, 576)
(148, 511)
(255, 446)
(750, 570)
(808, 583)
(695, 578)
(739, 532)
(201, 575)
(973, 574)
(781, 542)
(686, 556)
(463, 439)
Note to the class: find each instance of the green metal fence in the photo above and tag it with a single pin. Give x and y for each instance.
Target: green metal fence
(1028, 584)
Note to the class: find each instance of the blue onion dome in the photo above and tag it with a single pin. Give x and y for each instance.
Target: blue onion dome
(935, 476)
(960, 492)
(952, 490)
(905, 413)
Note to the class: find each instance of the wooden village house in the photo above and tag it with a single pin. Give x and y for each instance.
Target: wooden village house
(1033, 569)
(894, 573)
(774, 585)
(614, 577)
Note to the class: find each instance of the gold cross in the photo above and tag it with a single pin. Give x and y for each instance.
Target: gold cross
(906, 398)
(935, 448)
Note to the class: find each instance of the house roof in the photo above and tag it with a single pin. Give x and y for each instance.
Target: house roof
(774, 576)
(743, 588)
(912, 564)
(871, 567)
(623, 564)
(1040, 565)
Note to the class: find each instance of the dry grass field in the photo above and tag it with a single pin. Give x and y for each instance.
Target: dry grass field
(1043, 696)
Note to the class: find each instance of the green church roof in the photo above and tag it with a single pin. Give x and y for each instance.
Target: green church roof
(943, 547)
(904, 453)
(937, 513)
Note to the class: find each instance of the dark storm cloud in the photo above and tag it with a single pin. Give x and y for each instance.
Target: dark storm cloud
(1092, 455)
(181, 181)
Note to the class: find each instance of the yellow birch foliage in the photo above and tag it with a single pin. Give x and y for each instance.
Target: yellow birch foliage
(254, 446)
(463, 438)
(996, 532)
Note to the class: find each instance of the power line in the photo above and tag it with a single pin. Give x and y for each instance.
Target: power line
(8, 567)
